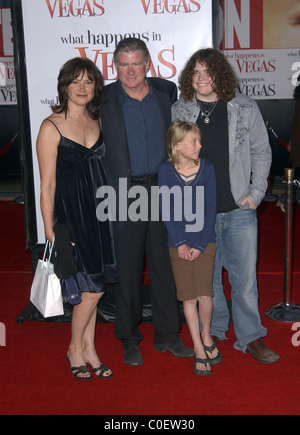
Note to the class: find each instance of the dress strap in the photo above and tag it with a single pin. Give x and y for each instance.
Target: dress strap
(47, 119)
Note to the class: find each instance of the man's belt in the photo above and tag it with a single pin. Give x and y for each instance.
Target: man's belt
(147, 179)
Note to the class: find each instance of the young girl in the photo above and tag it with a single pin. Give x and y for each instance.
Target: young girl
(192, 253)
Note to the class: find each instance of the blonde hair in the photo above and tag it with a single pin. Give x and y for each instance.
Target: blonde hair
(177, 132)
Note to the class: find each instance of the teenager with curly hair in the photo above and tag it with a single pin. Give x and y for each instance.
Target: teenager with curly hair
(224, 78)
(235, 140)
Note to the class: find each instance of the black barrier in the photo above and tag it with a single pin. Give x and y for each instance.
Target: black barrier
(287, 311)
(9, 145)
(105, 310)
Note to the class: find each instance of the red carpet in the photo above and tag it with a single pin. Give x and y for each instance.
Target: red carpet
(35, 378)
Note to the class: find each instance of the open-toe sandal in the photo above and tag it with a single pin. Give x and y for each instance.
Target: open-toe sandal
(102, 370)
(198, 372)
(82, 370)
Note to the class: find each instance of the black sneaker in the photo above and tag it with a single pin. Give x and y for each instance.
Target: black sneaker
(133, 356)
(178, 349)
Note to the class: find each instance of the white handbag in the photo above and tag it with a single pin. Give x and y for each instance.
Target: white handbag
(45, 292)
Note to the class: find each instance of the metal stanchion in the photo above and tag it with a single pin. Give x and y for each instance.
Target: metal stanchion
(287, 311)
(269, 197)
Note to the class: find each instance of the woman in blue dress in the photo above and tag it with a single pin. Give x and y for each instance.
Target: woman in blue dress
(70, 148)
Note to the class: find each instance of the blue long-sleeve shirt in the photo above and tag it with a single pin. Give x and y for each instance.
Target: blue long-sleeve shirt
(199, 198)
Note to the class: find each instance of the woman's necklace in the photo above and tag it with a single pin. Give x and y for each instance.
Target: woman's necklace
(207, 113)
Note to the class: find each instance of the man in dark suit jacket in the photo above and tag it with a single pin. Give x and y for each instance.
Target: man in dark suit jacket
(136, 113)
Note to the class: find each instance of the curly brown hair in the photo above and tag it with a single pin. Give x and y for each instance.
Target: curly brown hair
(219, 69)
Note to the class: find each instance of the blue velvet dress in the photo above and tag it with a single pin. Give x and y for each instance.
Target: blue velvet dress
(79, 174)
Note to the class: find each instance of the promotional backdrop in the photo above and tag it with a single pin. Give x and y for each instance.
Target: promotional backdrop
(262, 42)
(57, 30)
(7, 73)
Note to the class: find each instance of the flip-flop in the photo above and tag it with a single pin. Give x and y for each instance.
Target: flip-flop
(198, 372)
(217, 359)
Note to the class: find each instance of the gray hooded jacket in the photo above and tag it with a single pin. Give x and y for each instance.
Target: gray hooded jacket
(249, 148)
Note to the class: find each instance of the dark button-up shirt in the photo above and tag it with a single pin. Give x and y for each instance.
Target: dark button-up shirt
(145, 133)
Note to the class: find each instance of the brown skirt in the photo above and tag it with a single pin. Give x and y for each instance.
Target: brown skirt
(194, 278)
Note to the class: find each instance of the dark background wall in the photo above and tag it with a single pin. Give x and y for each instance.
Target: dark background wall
(279, 113)
(10, 168)
(9, 126)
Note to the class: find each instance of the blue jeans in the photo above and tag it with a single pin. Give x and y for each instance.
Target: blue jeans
(237, 253)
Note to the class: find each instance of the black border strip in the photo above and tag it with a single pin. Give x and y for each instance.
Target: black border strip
(24, 121)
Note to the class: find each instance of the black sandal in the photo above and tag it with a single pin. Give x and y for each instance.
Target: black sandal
(102, 369)
(82, 370)
(217, 359)
(198, 372)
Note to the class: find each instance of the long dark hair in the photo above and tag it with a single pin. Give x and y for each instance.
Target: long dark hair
(68, 73)
(219, 69)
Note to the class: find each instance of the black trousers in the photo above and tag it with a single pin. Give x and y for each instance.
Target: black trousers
(135, 240)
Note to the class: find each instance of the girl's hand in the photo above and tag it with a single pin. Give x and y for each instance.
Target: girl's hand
(195, 254)
(184, 252)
